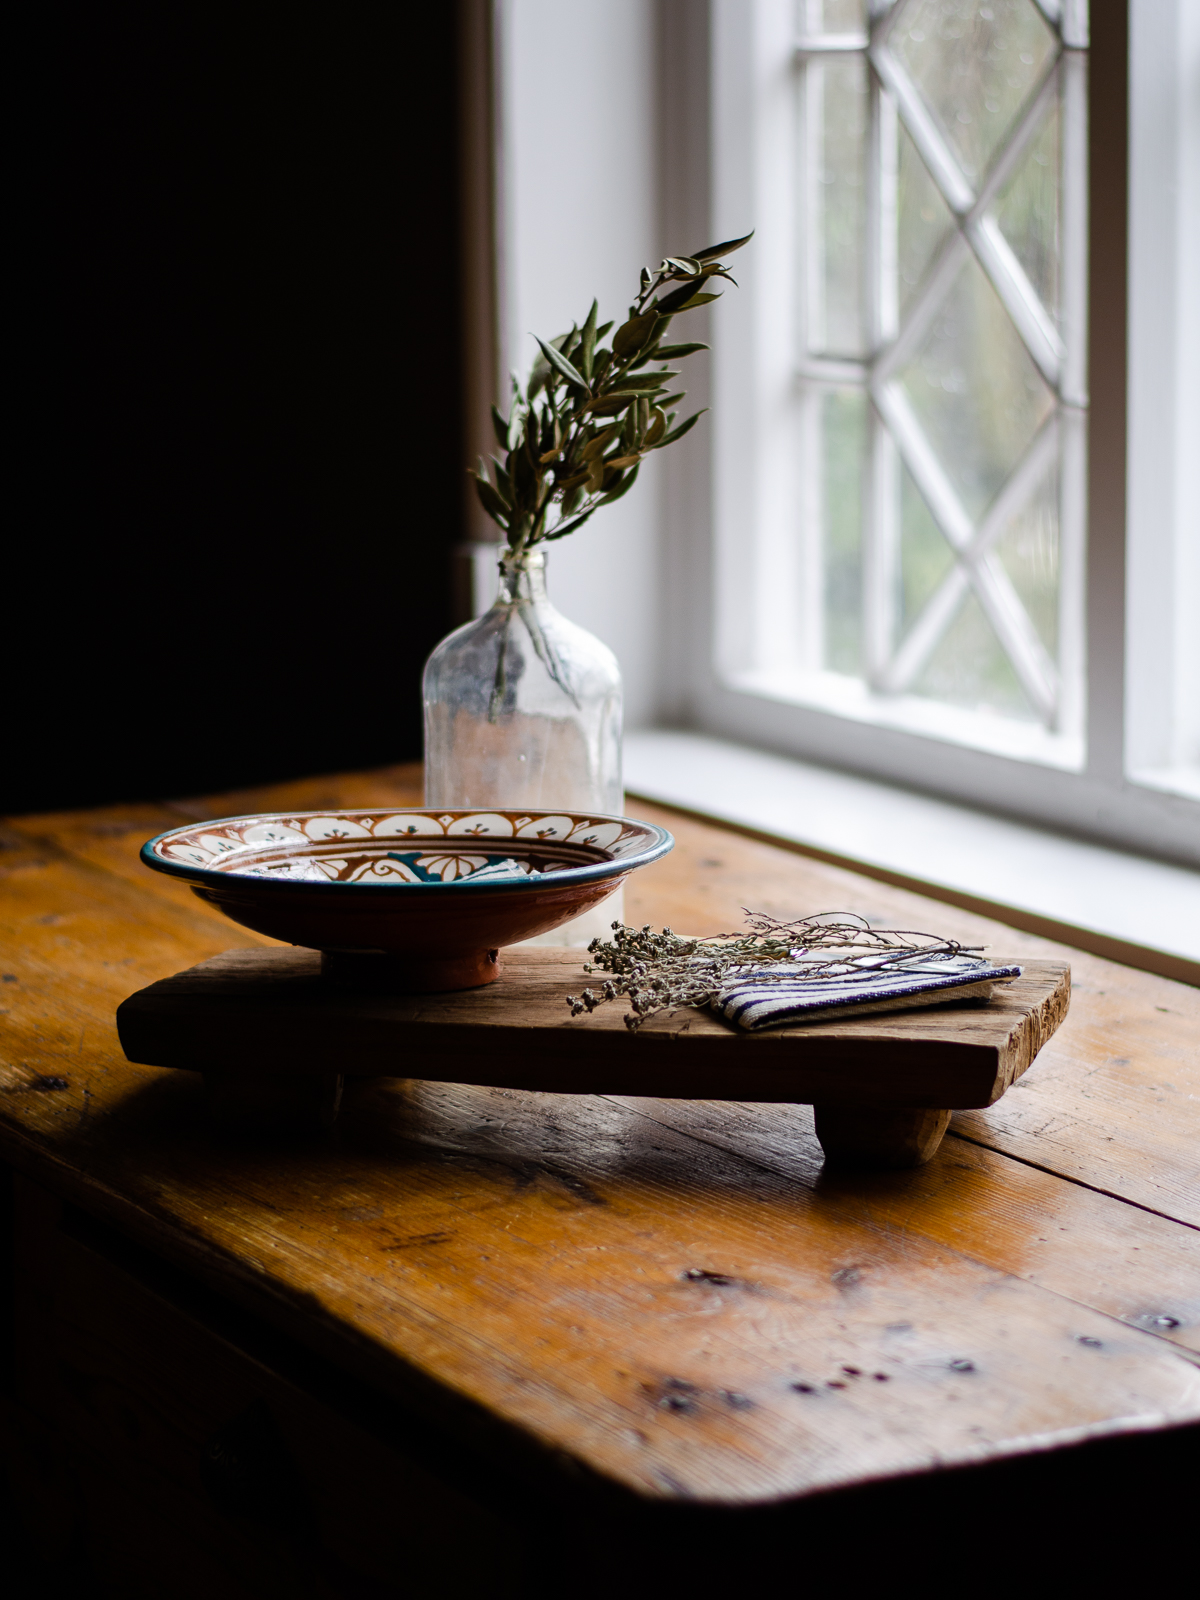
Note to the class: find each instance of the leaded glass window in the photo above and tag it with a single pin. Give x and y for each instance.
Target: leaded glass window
(941, 395)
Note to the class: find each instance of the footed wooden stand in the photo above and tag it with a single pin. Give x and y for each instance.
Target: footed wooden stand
(878, 1138)
(275, 1041)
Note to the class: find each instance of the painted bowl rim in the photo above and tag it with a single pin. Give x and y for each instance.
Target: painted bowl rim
(659, 843)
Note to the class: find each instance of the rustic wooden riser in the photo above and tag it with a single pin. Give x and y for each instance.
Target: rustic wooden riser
(272, 1038)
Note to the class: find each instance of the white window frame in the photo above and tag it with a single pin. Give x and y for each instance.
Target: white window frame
(1163, 659)
(728, 109)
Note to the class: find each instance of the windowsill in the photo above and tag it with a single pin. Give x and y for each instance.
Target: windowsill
(1126, 907)
(1172, 780)
(979, 730)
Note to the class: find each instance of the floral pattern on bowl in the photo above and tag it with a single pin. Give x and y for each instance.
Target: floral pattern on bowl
(359, 847)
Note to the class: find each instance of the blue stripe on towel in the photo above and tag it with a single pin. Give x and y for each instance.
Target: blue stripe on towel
(772, 999)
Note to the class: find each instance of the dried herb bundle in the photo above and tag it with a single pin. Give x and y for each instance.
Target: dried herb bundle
(662, 971)
(573, 441)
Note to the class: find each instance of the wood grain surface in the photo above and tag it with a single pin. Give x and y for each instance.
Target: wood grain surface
(675, 1295)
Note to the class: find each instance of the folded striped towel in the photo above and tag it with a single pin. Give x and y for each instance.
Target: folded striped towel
(780, 994)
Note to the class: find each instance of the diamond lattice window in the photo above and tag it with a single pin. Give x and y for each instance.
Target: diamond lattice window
(942, 218)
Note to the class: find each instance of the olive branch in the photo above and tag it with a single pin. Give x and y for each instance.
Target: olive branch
(574, 440)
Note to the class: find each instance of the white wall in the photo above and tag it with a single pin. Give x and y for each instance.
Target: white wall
(580, 219)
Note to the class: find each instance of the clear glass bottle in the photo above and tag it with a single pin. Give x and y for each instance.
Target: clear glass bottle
(523, 708)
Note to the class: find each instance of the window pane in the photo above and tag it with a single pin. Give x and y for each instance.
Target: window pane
(843, 443)
(976, 390)
(976, 66)
(923, 219)
(831, 16)
(1028, 551)
(970, 668)
(837, 131)
(926, 558)
(1027, 211)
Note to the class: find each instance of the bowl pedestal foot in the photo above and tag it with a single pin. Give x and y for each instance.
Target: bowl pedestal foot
(878, 1138)
(376, 972)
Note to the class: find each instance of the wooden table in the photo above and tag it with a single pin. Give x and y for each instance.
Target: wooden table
(490, 1340)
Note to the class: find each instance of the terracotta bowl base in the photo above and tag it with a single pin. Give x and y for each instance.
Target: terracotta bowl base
(376, 972)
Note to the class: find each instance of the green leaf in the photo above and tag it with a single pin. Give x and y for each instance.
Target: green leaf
(608, 405)
(622, 488)
(658, 426)
(678, 298)
(684, 427)
(643, 382)
(588, 342)
(604, 329)
(726, 249)
(561, 364)
(500, 428)
(632, 335)
(676, 352)
(629, 428)
(549, 438)
(698, 300)
(569, 527)
(504, 484)
(491, 501)
(598, 445)
(523, 478)
(642, 389)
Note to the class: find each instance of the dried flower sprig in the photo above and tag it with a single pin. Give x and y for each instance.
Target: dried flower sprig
(574, 439)
(663, 971)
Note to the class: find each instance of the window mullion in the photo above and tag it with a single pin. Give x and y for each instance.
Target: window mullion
(812, 97)
(1016, 633)
(1073, 383)
(1074, 223)
(881, 537)
(881, 501)
(1072, 571)
(812, 545)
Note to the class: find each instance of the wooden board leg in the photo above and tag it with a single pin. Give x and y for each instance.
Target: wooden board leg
(878, 1138)
(309, 1100)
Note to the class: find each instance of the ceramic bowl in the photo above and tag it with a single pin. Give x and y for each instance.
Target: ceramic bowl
(407, 900)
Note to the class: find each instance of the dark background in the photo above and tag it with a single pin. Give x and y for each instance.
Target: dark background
(243, 414)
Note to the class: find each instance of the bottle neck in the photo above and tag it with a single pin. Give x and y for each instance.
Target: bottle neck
(523, 578)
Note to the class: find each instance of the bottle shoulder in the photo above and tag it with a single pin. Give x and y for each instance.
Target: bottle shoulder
(532, 631)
